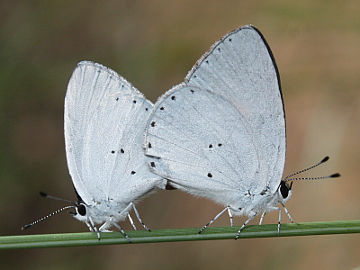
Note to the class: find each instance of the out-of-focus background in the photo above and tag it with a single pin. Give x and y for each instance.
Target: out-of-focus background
(153, 44)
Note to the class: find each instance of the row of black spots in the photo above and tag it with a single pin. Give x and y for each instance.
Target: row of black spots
(219, 145)
(146, 109)
(121, 151)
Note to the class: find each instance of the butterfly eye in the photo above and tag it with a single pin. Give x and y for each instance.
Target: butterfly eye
(81, 210)
(284, 189)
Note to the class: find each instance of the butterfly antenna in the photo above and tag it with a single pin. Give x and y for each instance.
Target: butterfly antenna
(43, 194)
(335, 175)
(46, 217)
(311, 167)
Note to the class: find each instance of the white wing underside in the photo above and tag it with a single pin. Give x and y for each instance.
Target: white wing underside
(237, 102)
(105, 118)
(241, 67)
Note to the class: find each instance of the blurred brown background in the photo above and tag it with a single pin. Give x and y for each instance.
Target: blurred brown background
(153, 44)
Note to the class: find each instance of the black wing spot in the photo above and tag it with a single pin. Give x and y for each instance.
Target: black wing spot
(207, 62)
(209, 175)
(149, 145)
(153, 123)
(192, 91)
(230, 39)
(162, 108)
(173, 98)
(134, 101)
(220, 144)
(219, 49)
(210, 146)
(195, 76)
(122, 151)
(112, 152)
(117, 99)
(146, 109)
(152, 164)
(133, 172)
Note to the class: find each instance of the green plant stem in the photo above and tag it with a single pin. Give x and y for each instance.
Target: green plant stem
(173, 235)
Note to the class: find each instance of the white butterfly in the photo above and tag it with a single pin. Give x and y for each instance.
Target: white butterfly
(221, 133)
(105, 118)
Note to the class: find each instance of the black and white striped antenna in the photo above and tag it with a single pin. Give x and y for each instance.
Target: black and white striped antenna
(43, 194)
(290, 177)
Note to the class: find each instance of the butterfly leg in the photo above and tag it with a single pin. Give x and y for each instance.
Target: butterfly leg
(287, 212)
(122, 231)
(138, 217)
(262, 217)
(237, 235)
(230, 216)
(95, 229)
(212, 221)
(279, 220)
(89, 226)
(131, 222)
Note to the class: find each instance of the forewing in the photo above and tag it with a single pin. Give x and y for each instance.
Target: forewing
(105, 118)
(202, 142)
(241, 67)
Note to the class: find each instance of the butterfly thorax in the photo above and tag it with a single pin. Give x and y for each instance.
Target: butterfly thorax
(252, 204)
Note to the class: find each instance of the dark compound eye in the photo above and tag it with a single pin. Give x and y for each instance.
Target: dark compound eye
(81, 210)
(284, 189)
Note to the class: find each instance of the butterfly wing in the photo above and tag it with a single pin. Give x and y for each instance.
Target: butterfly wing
(105, 118)
(205, 145)
(241, 68)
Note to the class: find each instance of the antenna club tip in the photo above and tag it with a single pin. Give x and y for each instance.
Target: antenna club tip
(325, 159)
(43, 194)
(23, 228)
(335, 175)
